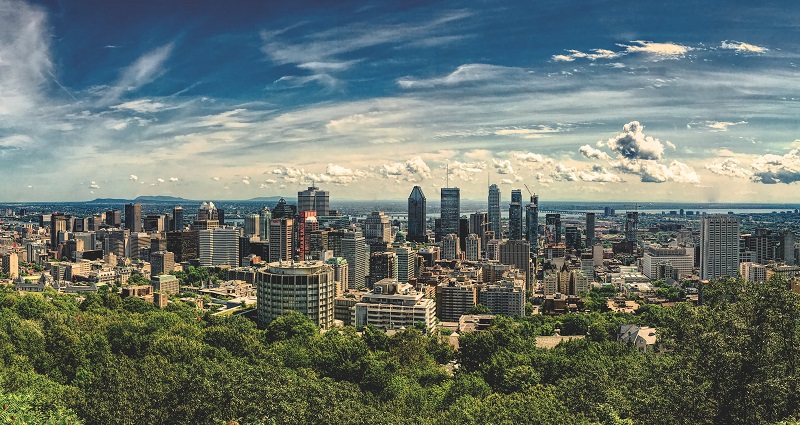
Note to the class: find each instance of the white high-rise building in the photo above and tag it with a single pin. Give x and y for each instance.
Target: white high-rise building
(719, 246)
(654, 256)
(494, 211)
(218, 247)
(406, 263)
(450, 247)
(354, 250)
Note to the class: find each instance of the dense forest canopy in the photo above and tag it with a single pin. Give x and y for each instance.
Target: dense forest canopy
(733, 360)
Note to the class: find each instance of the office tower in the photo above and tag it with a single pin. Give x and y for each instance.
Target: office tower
(207, 211)
(252, 225)
(518, 254)
(177, 218)
(218, 247)
(532, 222)
(306, 287)
(265, 217)
(161, 262)
(138, 242)
(58, 223)
(719, 246)
(340, 269)
(154, 223)
(377, 228)
(572, 237)
(81, 224)
(494, 211)
(114, 218)
(479, 224)
(11, 265)
(453, 299)
(631, 226)
(553, 228)
(313, 199)
(306, 223)
(183, 244)
(451, 248)
(354, 250)
(117, 242)
(406, 263)
(681, 261)
(382, 265)
(590, 229)
(417, 219)
(281, 246)
(283, 210)
(473, 245)
(133, 217)
(788, 247)
(515, 215)
(450, 210)
(221, 216)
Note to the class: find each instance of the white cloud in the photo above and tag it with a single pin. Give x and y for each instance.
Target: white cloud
(466, 170)
(144, 70)
(729, 167)
(633, 144)
(722, 125)
(598, 54)
(142, 106)
(593, 153)
(134, 177)
(528, 133)
(650, 171)
(464, 74)
(215, 178)
(665, 50)
(530, 158)
(564, 173)
(506, 181)
(245, 181)
(772, 169)
(599, 174)
(414, 169)
(173, 179)
(338, 175)
(160, 180)
(742, 47)
(93, 185)
(503, 166)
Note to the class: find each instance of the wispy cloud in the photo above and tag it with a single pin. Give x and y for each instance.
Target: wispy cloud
(144, 70)
(742, 47)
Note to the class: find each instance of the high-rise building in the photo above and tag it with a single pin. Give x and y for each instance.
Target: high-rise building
(473, 251)
(114, 218)
(281, 246)
(354, 250)
(252, 225)
(451, 248)
(313, 199)
(154, 223)
(632, 225)
(479, 224)
(377, 228)
(515, 215)
(382, 265)
(572, 237)
(406, 263)
(307, 225)
(719, 246)
(494, 211)
(265, 216)
(161, 262)
(453, 299)
(590, 217)
(307, 287)
(58, 223)
(177, 218)
(417, 219)
(506, 298)
(450, 210)
(117, 242)
(518, 254)
(680, 261)
(218, 247)
(553, 228)
(394, 305)
(532, 222)
(133, 217)
(183, 244)
(11, 265)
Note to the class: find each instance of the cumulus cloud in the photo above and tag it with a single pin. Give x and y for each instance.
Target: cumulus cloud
(772, 169)
(729, 167)
(593, 153)
(415, 169)
(290, 174)
(503, 166)
(270, 181)
(506, 181)
(245, 182)
(160, 180)
(599, 174)
(564, 173)
(529, 159)
(134, 177)
(466, 170)
(633, 144)
(597, 54)
(338, 175)
(215, 178)
(666, 50)
(742, 47)
(93, 185)
(173, 179)
(651, 171)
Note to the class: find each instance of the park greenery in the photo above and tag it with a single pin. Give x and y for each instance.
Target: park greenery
(735, 359)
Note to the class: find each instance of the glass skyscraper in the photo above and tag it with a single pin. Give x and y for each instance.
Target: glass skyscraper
(416, 215)
(450, 210)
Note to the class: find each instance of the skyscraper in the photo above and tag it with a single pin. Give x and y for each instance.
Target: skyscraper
(133, 217)
(631, 226)
(177, 218)
(58, 223)
(252, 225)
(354, 250)
(377, 228)
(313, 199)
(265, 217)
(590, 229)
(417, 215)
(553, 228)
(114, 218)
(515, 215)
(719, 246)
(450, 210)
(494, 211)
(306, 287)
(280, 239)
(218, 246)
(532, 222)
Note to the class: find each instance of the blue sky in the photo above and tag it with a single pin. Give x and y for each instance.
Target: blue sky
(584, 100)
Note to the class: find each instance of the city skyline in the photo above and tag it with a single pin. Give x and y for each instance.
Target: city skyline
(614, 101)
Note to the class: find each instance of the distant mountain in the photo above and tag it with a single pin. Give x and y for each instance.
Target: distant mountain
(109, 201)
(153, 199)
(265, 199)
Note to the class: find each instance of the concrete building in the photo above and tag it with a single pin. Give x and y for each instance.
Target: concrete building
(494, 211)
(719, 246)
(473, 251)
(340, 273)
(453, 299)
(354, 250)
(218, 247)
(308, 287)
(507, 297)
(681, 261)
(162, 262)
(450, 247)
(183, 244)
(313, 199)
(517, 253)
(11, 265)
(590, 229)
(252, 225)
(515, 216)
(133, 217)
(377, 228)
(382, 265)
(165, 283)
(281, 246)
(394, 305)
(406, 263)
(753, 272)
